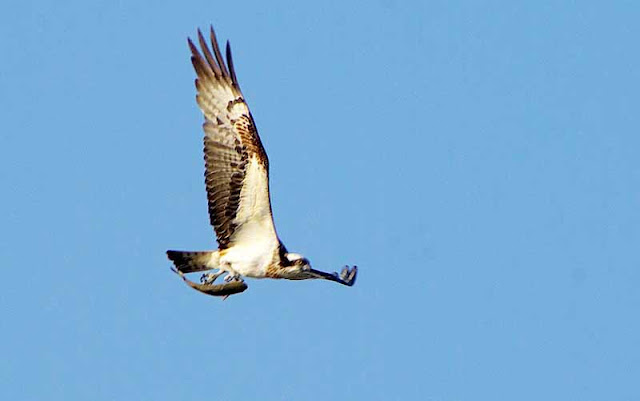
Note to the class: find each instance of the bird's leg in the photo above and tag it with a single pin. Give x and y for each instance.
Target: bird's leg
(232, 277)
(209, 278)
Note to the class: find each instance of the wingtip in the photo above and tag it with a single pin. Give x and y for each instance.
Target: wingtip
(350, 275)
(200, 36)
(232, 69)
(212, 35)
(216, 51)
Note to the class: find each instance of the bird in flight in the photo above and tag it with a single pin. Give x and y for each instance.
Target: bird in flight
(237, 183)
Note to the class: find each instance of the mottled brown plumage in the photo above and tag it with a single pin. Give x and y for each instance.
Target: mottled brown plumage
(230, 138)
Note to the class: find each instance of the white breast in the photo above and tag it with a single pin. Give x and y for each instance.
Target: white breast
(249, 259)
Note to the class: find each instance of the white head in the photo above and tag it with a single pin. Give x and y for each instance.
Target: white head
(299, 266)
(296, 258)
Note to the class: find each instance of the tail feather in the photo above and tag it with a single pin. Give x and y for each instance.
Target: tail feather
(189, 262)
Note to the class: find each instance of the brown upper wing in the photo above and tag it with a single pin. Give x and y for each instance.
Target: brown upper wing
(236, 165)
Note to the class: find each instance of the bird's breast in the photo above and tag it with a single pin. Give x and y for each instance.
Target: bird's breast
(249, 260)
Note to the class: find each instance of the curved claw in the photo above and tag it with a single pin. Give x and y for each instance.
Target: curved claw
(210, 278)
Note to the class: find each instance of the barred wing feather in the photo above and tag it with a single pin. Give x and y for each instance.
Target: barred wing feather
(236, 165)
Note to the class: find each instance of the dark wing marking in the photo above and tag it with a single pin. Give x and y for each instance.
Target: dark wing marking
(232, 147)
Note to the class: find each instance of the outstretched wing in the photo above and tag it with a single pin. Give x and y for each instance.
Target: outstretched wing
(236, 165)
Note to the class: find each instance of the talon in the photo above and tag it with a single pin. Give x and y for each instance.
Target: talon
(233, 277)
(210, 277)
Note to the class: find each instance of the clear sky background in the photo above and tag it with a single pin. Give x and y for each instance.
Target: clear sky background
(477, 160)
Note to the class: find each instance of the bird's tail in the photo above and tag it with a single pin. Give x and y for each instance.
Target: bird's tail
(188, 262)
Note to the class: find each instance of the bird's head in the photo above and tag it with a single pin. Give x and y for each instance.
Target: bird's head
(298, 267)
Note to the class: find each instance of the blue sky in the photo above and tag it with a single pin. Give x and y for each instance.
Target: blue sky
(477, 160)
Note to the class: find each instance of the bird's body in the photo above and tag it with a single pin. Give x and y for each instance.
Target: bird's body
(237, 182)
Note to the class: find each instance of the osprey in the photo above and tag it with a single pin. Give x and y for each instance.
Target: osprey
(237, 182)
